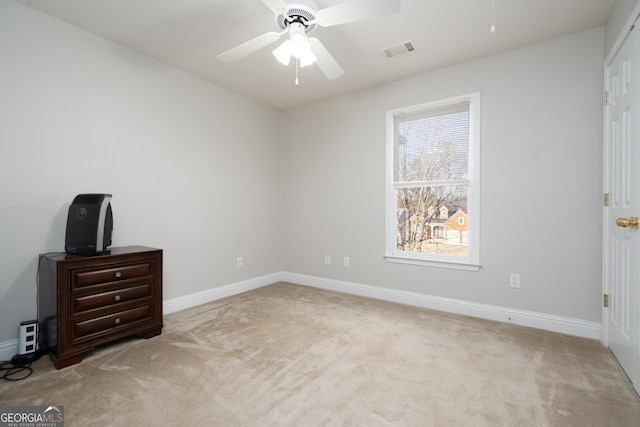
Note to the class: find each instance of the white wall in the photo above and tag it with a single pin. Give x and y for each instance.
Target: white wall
(80, 114)
(541, 132)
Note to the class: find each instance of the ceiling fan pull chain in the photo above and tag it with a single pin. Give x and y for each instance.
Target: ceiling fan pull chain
(493, 16)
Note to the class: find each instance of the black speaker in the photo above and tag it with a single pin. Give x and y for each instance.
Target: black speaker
(89, 224)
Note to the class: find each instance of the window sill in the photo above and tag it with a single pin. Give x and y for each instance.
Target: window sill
(451, 264)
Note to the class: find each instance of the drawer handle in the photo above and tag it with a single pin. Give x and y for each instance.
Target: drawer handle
(116, 298)
(118, 274)
(117, 321)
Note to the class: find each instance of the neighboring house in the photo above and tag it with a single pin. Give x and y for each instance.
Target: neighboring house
(447, 227)
(441, 226)
(455, 228)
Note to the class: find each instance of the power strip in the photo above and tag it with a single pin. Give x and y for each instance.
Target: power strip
(28, 338)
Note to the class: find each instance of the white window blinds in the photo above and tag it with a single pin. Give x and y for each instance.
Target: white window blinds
(432, 145)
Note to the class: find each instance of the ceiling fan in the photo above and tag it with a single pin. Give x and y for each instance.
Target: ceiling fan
(296, 18)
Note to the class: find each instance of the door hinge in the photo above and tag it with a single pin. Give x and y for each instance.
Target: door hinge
(607, 97)
(606, 199)
(605, 300)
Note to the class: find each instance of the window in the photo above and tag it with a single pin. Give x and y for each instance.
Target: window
(433, 172)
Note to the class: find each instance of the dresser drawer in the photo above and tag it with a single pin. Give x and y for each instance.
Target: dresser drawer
(100, 300)
(87, 277)
(110, 323)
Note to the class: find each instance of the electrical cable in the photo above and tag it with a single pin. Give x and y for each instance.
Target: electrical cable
(19, 367)
(20, 363)
(41, 346)
(10, 371)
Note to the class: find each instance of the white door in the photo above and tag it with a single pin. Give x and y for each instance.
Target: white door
(622, 183)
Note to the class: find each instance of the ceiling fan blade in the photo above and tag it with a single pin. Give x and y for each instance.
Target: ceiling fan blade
(278, 6)
(251, 46)
(327, 64)
(356, 10)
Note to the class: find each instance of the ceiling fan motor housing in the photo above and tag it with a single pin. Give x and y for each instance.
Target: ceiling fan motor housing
(302, 11)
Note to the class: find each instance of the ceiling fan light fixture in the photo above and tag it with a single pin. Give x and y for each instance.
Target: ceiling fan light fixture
(283, 52)
(307, 58)
(297, 45)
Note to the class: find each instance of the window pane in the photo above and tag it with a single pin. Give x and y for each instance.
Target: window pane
(433, 145)
(428, 220)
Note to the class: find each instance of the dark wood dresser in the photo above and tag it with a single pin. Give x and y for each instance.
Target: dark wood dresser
(85, 301)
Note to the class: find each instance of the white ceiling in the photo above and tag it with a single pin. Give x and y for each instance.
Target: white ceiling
(189, 34)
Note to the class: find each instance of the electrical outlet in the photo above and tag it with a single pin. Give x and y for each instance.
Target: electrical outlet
(514, 280)
(239, 262)
(346, 262)
(327, 259)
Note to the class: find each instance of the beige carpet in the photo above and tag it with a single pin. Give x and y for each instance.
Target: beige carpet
(288, 355)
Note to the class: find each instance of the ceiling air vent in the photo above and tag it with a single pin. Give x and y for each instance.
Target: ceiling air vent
(398, 49)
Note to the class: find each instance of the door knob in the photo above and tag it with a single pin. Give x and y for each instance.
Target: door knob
(627, 222)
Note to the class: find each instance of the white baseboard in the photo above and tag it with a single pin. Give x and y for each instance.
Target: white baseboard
(564, 325)
(199, 298)
(8, 349)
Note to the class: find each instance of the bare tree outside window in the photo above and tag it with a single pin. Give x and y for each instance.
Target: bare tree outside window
(431, 179)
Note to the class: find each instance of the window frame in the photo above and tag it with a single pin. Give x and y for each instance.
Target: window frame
(471, 261)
